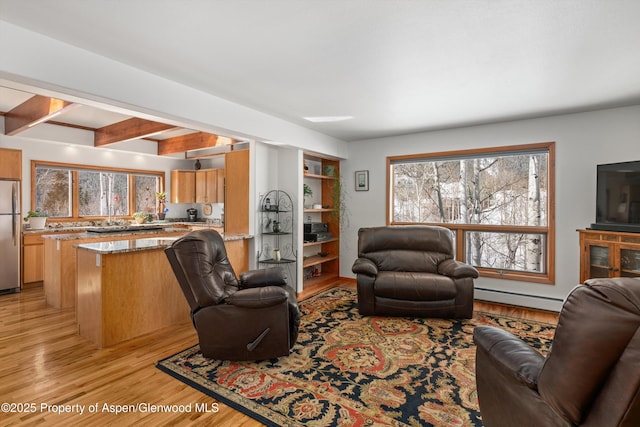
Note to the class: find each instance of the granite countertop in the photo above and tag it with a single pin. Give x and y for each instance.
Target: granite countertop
(89, 235)
(120, 246)
(142, 244)
(58, 228)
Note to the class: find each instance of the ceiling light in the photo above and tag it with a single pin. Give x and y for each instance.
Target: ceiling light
(327, 119)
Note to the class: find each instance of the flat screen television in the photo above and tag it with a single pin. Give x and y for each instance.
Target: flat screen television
(618, 197)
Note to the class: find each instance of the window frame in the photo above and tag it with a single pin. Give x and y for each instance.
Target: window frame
(460, 229)
(75, 199)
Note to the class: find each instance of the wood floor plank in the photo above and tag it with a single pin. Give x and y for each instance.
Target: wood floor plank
(44, 361)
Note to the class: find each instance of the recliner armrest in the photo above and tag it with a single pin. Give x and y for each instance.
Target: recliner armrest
(267, 296)
(510, 354)
(263, 277)
(457, 269)
(365, 266)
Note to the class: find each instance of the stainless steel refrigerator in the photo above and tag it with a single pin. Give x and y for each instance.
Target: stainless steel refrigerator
(9, 236)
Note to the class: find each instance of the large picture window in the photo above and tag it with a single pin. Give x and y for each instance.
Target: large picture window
(64, 191)
(497, 201)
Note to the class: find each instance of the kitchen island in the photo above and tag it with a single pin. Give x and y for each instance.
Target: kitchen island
(59, 275)
(126, 288)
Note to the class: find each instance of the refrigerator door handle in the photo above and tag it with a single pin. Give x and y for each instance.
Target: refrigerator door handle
(14, 222)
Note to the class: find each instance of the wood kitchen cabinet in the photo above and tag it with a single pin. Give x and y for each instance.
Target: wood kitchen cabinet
(609, 254)
(10, 163)
(32, 258)
(236, 203)
(183, 186)
(210, 186)
(202, 186)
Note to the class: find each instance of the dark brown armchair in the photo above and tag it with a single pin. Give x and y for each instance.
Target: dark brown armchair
(591, 376)
(411, 271)
(255, 318)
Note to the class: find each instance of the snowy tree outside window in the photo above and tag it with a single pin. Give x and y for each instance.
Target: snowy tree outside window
(497, 201)
(83, 191)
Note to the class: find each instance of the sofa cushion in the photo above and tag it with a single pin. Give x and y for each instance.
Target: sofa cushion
(414, 286)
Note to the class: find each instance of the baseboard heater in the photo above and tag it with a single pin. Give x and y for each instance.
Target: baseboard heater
(514, 298)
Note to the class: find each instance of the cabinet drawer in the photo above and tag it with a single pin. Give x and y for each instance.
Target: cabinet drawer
(33, 239)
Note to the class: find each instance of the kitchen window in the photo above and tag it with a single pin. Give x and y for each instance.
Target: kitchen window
(498, 202)
(66, 191)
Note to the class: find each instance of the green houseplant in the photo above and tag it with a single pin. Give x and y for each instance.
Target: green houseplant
(140, 217)
(162, 199)
(306, 191)
(36, 219)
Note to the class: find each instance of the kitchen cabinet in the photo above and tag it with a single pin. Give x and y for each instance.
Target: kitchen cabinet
(10, 163)
(321, 260)
(209, 186)
(183, 186)
(201, 186)
(32, 258)
(605, 254)
(236, 202)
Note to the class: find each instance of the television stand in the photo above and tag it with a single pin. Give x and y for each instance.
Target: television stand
(606, 254)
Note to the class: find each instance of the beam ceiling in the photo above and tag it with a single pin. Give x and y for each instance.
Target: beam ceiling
(35, 110)
(126, 130)
(190, 142)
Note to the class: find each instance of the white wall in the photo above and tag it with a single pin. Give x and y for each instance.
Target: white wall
(582, 141)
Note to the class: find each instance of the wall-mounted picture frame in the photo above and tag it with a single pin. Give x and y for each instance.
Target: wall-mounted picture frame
(362, 180)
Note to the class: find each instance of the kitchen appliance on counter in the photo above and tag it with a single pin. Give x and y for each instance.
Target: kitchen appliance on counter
(192, 215)
(10, 221)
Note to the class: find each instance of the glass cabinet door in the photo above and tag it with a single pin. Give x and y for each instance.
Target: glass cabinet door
(599, 261)
(629, 262)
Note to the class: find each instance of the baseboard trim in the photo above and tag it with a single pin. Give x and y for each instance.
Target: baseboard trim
(523, 300)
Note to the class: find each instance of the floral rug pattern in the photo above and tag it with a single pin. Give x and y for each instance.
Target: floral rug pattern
(349, 370)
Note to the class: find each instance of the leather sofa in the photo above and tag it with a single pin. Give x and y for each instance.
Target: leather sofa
(411, 271)
(254, 318)
(590, 377)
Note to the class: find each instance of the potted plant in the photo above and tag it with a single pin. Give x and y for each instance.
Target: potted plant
(162, 198)
(36, 219)
(140, 217)
(306, 192)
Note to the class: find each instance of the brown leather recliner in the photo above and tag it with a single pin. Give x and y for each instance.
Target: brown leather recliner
(255, 318)
(591, 376)
(411, 271)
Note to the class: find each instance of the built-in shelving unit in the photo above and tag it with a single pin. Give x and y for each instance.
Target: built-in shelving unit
(321, 259)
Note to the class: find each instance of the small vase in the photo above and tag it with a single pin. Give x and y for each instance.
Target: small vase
(276, 227)
(276, 255)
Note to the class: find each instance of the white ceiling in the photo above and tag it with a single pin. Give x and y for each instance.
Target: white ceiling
(396, 66)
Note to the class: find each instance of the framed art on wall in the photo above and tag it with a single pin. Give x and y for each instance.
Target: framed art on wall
(362, 180)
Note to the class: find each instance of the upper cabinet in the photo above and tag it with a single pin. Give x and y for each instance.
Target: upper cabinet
(210, 186)
(10, 163)
(236, 202)
(202, 186)
(183, 186)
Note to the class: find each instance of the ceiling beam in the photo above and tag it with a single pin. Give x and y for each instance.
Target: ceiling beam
(35, 110)
(192, 141)
(126, 130)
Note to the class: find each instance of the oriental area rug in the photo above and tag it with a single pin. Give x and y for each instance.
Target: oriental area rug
(349, 370)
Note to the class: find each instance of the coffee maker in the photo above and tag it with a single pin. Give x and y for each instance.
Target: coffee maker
(192, 215)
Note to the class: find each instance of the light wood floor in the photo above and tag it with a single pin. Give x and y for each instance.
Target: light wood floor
(44, 362)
